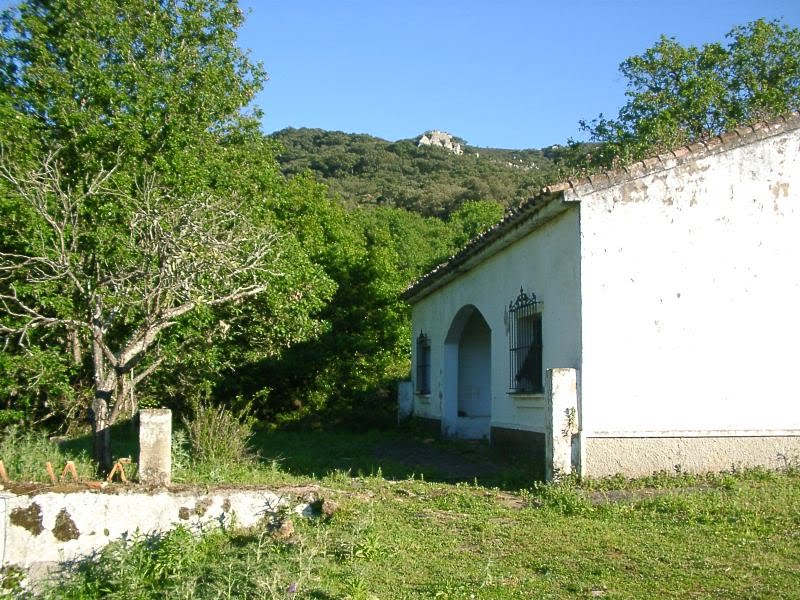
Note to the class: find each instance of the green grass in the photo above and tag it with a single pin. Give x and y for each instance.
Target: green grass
(724, 536)
(25, 454)
(286, 458)
(408, 532)
(423, 540)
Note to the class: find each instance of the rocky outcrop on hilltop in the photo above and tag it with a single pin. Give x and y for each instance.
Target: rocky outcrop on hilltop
(441, 139)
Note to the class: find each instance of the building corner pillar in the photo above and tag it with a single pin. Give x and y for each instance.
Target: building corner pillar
(562, 432)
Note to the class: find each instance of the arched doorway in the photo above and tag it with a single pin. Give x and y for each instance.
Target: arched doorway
(467, 405)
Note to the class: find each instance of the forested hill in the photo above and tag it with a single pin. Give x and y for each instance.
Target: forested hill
(428, 179)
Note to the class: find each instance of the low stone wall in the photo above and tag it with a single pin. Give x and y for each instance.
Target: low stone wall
(57, 527)
(640, 456)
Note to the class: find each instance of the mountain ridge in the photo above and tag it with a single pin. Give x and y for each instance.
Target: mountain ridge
(430, 179)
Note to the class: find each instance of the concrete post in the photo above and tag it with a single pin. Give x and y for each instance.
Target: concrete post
(561, 421)
(155, 446)
(405, 400)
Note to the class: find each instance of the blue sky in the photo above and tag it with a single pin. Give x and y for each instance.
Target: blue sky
(504, 73)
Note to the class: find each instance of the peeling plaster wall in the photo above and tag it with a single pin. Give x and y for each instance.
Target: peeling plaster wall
(690, 301)
(58, 527)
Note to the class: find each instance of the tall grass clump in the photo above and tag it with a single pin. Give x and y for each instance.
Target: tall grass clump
(24, 454)
(216, 444)
(219, 435)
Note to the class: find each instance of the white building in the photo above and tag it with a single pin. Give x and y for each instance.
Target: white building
(643, 319)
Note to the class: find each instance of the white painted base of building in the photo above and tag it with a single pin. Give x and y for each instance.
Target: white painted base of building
(637, 456)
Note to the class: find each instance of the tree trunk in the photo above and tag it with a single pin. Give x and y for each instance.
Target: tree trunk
(74, 342)
(101, 446)
(126, 396)
(105, 383)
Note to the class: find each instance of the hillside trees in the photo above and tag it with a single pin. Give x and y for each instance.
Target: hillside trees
(680, 93)
(346, 375)
(137, 196)
(368, 171)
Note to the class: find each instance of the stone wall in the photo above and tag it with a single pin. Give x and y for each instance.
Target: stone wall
(53, 527)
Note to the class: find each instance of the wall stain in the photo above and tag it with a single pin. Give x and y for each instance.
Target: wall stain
(28, 518)
(779, 189)
(634, 191)
(65, 529)
(202, 506)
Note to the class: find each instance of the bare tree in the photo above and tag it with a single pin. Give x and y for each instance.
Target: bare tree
(128, 279)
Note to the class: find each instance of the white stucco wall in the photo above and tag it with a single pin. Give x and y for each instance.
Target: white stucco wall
(691, 297)
(56, 527)
(544, 262)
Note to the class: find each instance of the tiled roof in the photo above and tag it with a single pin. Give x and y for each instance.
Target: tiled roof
(575, 188)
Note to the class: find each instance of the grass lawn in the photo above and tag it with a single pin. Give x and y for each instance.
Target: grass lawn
(400, 532)
(723, 537)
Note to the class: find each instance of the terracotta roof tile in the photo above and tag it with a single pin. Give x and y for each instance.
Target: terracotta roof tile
(730, 136)
(680, 152)
(558, 187)
(599, 178)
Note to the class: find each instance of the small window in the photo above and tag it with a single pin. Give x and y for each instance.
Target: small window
(423, 364)
(524, 322)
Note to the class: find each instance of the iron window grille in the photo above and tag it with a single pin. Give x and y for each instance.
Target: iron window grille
(524, 323)
(423, 364)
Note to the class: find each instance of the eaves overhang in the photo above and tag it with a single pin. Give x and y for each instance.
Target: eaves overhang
(515, 225)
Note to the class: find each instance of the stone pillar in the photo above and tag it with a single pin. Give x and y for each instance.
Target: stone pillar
(561, 422)
(155, 446)
(405, 400)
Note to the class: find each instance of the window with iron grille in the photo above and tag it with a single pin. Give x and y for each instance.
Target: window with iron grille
(423, 364)
(524, 323)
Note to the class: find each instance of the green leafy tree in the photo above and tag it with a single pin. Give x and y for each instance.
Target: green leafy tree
(139, 197)
(156, 83)
(178, 256)
(472, 219)
(346, 374)
(680, 93)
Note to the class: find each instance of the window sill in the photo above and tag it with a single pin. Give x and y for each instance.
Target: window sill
(527, 399)
(515, 394)
(423, 398)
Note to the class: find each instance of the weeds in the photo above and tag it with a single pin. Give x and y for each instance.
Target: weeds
(731, 535)
(178, 564)
(216, 435)
(563, 497)
(24, 455)
(734, 536)
(181, 456)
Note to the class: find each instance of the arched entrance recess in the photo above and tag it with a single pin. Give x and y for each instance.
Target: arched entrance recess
(467, 402)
